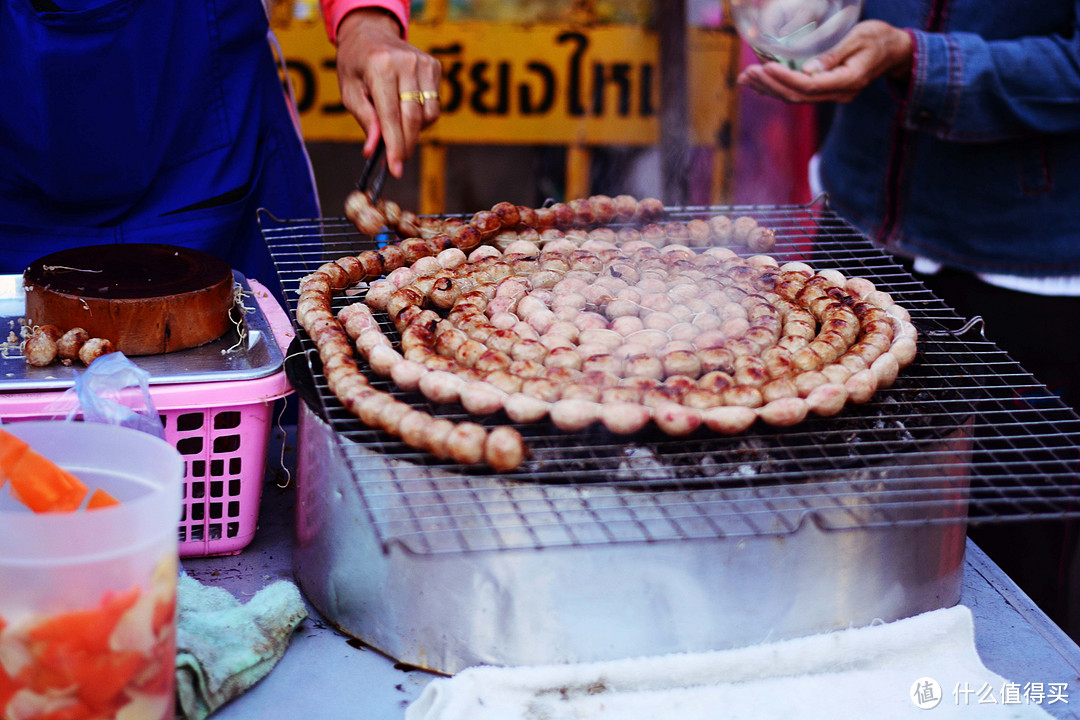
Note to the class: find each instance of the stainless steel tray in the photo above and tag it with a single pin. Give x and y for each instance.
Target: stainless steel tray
(227, 358)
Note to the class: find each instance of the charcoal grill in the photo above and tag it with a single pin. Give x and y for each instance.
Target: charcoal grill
(603, 546)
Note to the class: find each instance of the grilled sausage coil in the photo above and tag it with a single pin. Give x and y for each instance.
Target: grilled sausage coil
(540, 313)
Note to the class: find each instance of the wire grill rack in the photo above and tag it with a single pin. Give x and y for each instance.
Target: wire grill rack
(965, 435)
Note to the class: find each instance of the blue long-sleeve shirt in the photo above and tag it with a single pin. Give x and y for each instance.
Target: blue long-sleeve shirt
(975, 162)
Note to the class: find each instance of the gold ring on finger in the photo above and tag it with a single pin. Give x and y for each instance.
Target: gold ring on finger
(413, 96)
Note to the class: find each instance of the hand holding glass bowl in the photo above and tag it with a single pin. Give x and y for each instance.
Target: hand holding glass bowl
(793, 31)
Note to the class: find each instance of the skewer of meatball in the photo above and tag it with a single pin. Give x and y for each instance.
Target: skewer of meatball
(578, 219)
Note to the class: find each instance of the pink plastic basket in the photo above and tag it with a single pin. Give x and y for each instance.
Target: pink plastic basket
(222, 430)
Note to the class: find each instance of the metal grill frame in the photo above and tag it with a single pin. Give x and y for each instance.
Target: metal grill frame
(965, 435)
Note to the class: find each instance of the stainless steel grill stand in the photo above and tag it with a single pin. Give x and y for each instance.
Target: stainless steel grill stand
(675, 545)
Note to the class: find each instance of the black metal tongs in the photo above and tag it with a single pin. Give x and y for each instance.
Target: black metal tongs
(373, 176)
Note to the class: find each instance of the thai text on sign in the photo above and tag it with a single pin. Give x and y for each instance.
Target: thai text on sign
(528, 84)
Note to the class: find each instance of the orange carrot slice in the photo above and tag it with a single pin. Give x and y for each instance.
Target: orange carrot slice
(99, 499)
(72, 652)
(8, 686)
(44, 487)
(103, 680)
(41, 484)
(11, 449)
(88, 629)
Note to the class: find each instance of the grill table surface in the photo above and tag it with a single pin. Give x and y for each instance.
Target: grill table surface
(328, 675)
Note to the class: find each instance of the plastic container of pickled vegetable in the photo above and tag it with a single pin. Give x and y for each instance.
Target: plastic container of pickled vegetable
(88, 597)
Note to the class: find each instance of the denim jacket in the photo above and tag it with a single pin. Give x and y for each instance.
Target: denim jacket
(975, 162)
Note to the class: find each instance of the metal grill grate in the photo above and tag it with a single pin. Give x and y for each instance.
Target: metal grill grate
(965, 433)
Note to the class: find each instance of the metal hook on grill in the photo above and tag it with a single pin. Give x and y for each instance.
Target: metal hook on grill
(974, 324)
(821, 202)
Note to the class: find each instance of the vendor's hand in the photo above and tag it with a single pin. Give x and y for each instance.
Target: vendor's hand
(375, 68)
(872, 49)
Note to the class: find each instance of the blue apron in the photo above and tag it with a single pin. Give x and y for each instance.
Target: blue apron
(144, 121)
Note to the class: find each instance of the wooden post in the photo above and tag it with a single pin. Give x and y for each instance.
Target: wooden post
(578, 156)
(674, 112)
(434, 11)
(578, 159)
(723, 154)
(582, 12)
(432, 179)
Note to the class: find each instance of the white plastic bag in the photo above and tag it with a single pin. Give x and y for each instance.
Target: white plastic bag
(116, 391)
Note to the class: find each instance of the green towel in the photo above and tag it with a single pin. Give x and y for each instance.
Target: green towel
(224, 647)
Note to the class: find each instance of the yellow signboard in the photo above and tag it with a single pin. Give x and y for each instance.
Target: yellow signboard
(531, 84)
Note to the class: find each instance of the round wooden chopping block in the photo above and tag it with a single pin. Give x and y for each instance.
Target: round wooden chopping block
(147, 299)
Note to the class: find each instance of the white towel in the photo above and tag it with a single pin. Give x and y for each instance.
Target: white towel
(882, 671)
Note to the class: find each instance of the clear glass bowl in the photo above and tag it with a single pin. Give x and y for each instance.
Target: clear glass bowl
(793, 31)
